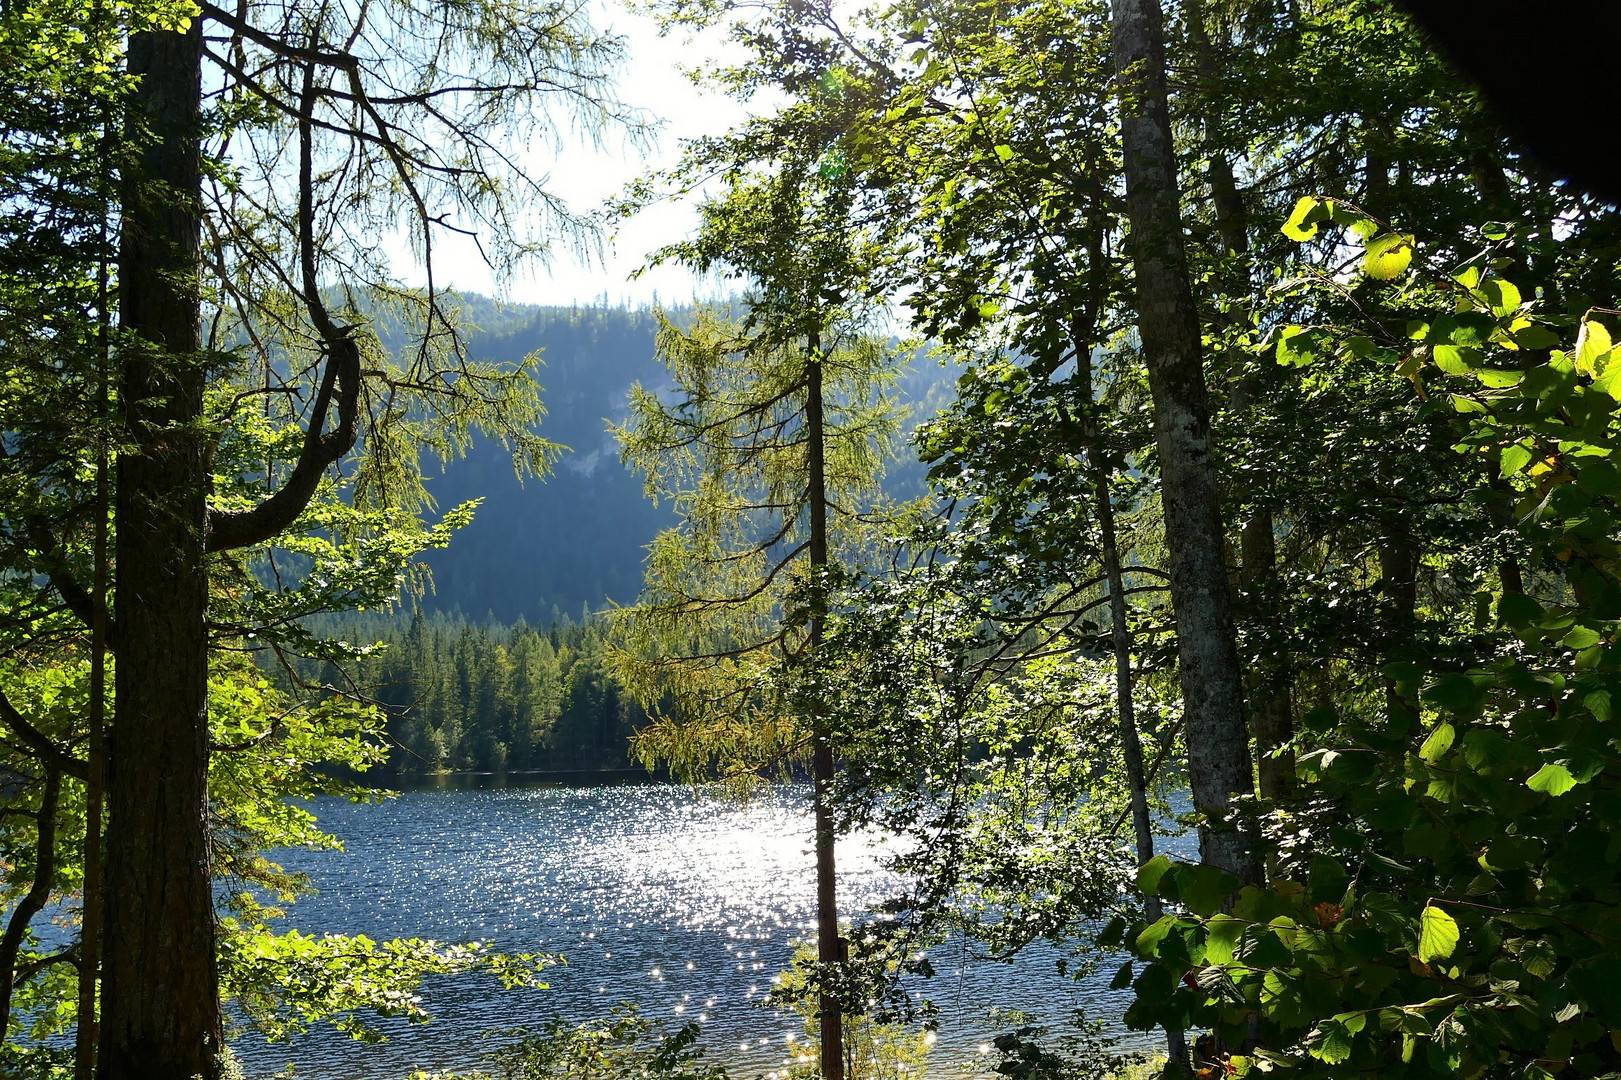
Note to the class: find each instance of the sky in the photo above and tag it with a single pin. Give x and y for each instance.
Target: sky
(585, 176)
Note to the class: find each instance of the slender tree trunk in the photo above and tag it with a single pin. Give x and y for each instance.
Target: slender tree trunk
(1271, 698)
(38, 893)
(84, 1055)
(1131, 749)
(1398, 573)
(829, 945)
(1168, 324)
(160, 986)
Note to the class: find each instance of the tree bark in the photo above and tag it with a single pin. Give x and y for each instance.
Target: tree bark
(1168, 325)
(1131, 749)
(160, 987)
(1398, 573)
(829, 944)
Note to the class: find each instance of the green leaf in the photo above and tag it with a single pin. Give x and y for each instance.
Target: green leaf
(1122, 977)
(1552, 779)
(1150, 872)
(1609, 379)
(1514, 458)
(1004, 151)
(1148, 941)
(1295, 346)
(1535, 336)
(1388, 256)
(1518, 610)
(1592, 341)
(1309, 212)
(1199, 887)
(1439, 742)
(1501, 295)
(1334, 1047)
(1454, 359)
(1499, 378)
(1222, 933)
(1437, 934)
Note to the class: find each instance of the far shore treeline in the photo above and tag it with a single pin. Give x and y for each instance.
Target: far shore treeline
(488, 697)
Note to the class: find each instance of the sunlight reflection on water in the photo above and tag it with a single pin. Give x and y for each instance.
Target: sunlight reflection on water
(684, 903)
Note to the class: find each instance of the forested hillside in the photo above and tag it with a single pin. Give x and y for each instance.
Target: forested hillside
(576, 540)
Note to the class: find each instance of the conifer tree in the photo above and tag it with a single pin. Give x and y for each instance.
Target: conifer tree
(770, 447)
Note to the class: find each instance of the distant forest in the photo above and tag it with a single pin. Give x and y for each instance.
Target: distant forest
(489, 697)
(575, 541)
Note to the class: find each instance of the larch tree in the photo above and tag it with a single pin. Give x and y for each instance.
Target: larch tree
(769, 443)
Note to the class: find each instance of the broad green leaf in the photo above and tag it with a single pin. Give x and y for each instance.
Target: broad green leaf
(1499, 378)
(1199, 887)
(1296, 346)
(1609, 378)
(1539, 958)
(1004, 151)
(1552, 779)
(1598, 703)
(1150, 872)
(1309, 212)
(1221, 938)
(1454, 359)
(1334, 1047)
(1580, 637)
(1592, 341)
(1388, 256)
(1501, 295)
(1439, 742)
(1536, 337)
(1437, 934)
(1149, 940)
(1514, 458)
(1518, 609)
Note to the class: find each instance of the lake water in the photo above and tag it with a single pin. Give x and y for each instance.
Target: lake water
(686, 904)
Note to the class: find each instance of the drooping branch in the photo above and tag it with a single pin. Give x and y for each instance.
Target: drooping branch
(340, 379)
(38, 893)
(52, 755)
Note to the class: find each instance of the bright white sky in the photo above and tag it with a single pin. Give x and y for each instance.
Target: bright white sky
(652, 80)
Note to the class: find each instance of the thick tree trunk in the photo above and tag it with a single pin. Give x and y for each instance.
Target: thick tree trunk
(829, 944)
(160, 987)
(1168, 324)
(1271, 707)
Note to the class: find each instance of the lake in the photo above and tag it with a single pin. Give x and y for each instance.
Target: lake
(685, 903)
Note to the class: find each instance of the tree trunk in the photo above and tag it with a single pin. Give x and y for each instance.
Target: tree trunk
(160, 986)
(85, 1037)
(1168, 325)
(1131, 749)
(1398, 573)
(1271, 707)
(829, 945)
(1271, 699)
